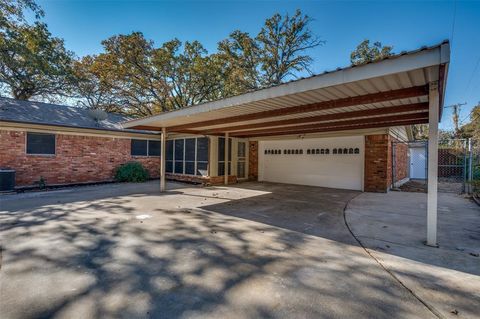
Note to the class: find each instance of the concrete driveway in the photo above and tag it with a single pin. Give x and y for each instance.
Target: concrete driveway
(246, 251)
(393, 226)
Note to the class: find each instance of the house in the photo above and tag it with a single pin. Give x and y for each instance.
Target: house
(69, 145)
(333, 129)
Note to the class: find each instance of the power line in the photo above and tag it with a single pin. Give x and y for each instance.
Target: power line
(473, 75)
(453, 105)
(453, 22)
(469, 115)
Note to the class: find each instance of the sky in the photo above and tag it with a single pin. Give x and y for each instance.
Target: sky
(342, 24)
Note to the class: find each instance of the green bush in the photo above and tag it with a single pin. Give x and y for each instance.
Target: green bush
(131, 172)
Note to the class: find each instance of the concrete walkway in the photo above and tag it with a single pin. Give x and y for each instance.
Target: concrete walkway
(251, 250)
(393, 227)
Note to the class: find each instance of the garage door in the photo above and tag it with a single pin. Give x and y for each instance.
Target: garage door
(328, 162)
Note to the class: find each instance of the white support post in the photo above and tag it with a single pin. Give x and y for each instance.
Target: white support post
(226, 159)
(162, 158)
(433, 119)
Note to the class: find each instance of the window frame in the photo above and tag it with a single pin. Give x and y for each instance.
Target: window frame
(227, 163)
(148, 147)
(184, 160)
(41, 154)
(159, 150)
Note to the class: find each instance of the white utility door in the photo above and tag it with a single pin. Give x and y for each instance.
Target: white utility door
(418, 162)
(335, 162)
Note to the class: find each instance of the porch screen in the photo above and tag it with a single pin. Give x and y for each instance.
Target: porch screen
(221, 156)
(187, 156)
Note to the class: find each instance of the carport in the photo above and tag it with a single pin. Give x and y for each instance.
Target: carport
(398, 91)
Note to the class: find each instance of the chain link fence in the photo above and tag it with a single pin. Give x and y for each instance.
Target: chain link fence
(452, 165)
(473, 168)
(458, 166)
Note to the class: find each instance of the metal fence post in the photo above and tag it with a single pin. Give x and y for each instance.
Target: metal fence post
(464, 190)
(470, 166)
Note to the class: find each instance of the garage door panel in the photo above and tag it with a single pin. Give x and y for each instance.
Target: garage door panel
(327, 170)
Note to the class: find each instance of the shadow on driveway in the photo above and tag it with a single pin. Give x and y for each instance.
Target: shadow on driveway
(248, 251)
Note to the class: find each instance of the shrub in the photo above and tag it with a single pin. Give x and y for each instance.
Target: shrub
(131, 172)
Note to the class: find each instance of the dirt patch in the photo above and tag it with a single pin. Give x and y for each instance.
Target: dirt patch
(415, 186)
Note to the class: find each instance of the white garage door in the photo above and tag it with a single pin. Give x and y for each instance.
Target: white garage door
(329, 162)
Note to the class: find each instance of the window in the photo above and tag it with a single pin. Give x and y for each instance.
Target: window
(221, 156)
(139, 147)
(187, 156)
(169, 157)
(190, 156)
(179, 155)
(154, 148)
(40, 144)
(145, 148)
(202, 156)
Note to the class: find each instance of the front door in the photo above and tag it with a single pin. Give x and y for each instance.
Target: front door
(418, 162)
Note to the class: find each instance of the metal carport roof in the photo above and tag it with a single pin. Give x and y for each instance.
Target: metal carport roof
(390, 92)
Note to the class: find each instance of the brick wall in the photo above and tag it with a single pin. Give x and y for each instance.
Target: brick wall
(253, 160)
(376, 163)
(401, 160)
(78, 159)
(206, 180)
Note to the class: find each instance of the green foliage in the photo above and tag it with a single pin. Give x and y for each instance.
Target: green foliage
(90, 90)
(420, 131)
(32, 62)
(365, 52)
(133, 172)
(135, 77)
(13, 11)
(472, 128)
(42, 182)
(275, 54)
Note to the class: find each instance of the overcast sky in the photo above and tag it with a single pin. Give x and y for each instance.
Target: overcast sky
(342, 24)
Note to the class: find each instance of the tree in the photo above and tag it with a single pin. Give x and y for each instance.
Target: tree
(472, 128)
(126, 70)
(33, 63)
(365, 52)
(274, 55)
(90, 89)
(12, 11)
(135, 77)
(241, 57)
(282, 42)
(420, 131)
(191, 75)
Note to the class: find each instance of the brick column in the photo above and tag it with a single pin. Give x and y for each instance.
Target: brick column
(377, 163)
(253, 160)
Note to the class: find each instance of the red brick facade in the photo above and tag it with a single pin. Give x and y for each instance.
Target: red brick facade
(78, 159)
(401, 160)
(82, 159)
(206, 180)
(378, 162)
(253, 160)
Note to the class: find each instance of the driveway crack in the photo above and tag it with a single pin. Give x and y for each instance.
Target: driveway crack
(432, 309)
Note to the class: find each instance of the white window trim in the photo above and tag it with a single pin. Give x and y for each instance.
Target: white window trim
(184, 153)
